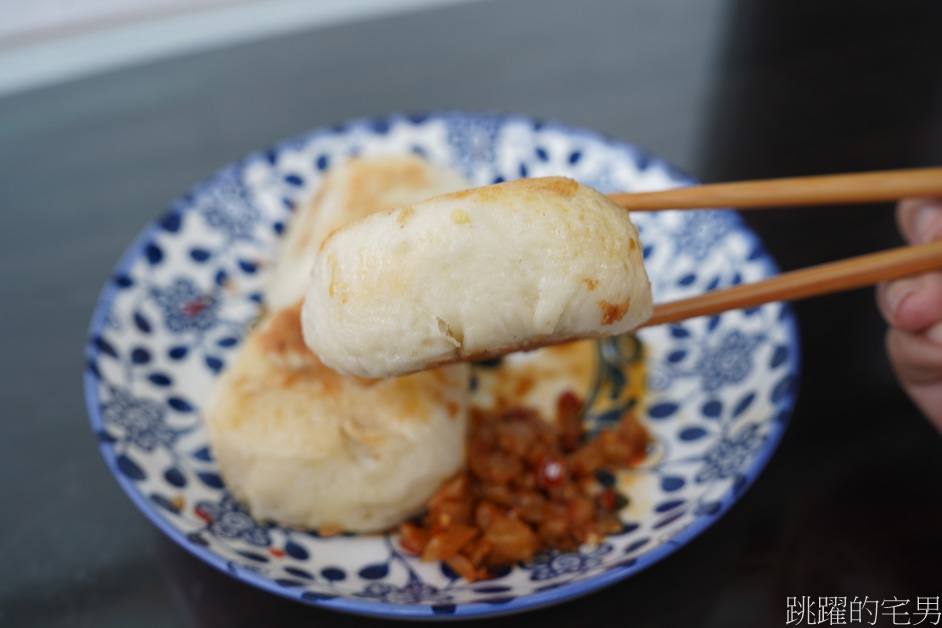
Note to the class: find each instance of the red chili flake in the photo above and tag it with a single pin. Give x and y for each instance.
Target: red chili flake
(194, 307)
(202, 514)
(550, 472)
(277, 552)
(608, 499)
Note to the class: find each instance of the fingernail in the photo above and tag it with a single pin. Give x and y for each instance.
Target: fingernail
(928, 223)
(897, 292)
(934, 333)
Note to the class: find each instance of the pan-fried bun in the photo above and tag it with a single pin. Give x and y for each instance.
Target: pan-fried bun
(475, 273)
(304, 446)
(350, 191)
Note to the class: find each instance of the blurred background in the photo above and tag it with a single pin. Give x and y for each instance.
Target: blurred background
(109, 109)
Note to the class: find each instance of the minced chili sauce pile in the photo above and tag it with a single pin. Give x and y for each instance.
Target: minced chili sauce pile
(529, 486)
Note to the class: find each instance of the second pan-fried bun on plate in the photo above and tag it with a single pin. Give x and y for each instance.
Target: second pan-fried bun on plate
(305, 446)
(350, 191)
(475, 273)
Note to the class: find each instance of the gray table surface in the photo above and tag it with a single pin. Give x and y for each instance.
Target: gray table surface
(84, 165)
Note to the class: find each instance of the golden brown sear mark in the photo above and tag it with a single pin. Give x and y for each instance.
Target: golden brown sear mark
(283, 334)
(612, 312)
(591, 283)
(559, 185)
(368, 186)
(404, 216)
(490, 193)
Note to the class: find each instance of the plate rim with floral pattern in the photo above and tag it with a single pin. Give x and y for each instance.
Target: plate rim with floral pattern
(487, 146)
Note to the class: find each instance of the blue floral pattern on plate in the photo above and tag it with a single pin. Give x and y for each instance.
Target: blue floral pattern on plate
(141, 420)
(228, 519)
(185, 306)
(721, 388)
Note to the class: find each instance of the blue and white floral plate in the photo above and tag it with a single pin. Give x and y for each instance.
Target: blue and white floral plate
(721, 389)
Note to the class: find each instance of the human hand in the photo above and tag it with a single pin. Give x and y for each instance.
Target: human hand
(912, 308)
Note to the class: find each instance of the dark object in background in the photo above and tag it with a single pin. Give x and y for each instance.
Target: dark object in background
(816, 88)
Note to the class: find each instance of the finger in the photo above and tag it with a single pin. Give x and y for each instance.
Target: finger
(911, 304)
(920, 219)
(916, 358)
(891, 293)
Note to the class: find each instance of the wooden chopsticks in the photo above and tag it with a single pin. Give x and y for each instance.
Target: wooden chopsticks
(865, 187)
(846, 274)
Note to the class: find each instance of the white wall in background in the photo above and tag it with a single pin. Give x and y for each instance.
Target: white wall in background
(30, 20)
(47, 41)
